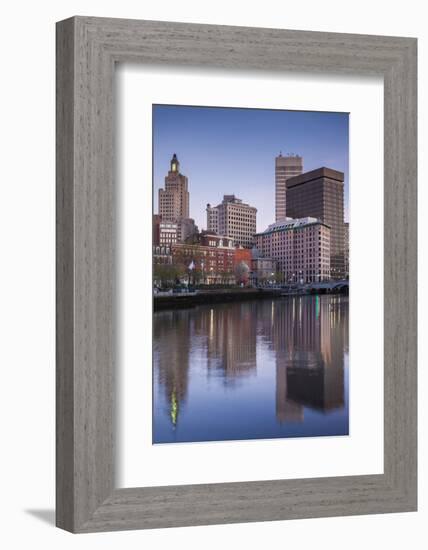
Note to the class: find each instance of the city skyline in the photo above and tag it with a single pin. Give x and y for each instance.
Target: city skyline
(250, 288)
(232, 151)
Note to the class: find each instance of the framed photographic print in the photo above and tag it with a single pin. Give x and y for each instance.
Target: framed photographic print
(236, 274)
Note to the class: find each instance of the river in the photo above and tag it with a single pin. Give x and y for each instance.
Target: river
(258, 369)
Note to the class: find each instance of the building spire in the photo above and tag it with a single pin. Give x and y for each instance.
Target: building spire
(175, 163)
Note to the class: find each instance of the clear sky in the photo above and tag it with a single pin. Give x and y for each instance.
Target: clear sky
(226, 151)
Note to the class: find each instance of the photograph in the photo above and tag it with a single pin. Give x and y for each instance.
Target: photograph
(189, 190)
(250, 273)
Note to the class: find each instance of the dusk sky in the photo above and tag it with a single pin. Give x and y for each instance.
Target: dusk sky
(226, 151)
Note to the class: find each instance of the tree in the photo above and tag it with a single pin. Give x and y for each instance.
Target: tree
(279, 277)
(242, 273)
(196, 276)
(168, 274)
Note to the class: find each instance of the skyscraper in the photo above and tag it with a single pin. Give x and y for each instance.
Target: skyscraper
(233, 218)
(319, 194)
(174, 199)
(285, 167)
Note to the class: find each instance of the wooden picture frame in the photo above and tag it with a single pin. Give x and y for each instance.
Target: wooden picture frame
(87, 50)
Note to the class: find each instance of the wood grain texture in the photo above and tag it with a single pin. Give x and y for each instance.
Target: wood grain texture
(87, 49)
(64, 277)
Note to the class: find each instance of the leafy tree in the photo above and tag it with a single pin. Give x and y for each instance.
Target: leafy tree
(242, 273)
(168, 274)
(279, 277)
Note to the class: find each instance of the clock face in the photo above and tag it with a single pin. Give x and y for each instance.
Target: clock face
(174, 167)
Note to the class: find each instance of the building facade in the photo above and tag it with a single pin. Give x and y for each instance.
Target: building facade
(234, 218)
(174, 198)
(263, 271)
(211, 239)
(320, 194)
(165, 233)
(346, 248)
(155, 229)
(187, 229)
(212, 218)
(285, 167)
(210, 261)
(300, 247)
(162, 255)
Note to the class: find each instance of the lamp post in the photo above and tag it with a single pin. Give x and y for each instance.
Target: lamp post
(190, 268)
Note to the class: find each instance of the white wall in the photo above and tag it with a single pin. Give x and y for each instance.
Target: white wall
(27, 271)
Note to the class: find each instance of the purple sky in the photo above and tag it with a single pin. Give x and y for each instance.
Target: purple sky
(225, 151)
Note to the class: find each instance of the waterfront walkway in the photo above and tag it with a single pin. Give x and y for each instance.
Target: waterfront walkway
(206, 296)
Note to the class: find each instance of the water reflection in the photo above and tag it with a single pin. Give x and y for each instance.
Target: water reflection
(256, 369)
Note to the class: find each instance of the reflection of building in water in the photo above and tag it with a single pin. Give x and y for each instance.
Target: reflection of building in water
(230, 331)
(172, 331)
(286, 409)
(308, 338)
(305, 336)
(319, 388)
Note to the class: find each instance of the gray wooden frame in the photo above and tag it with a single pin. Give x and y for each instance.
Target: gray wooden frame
(87, 50)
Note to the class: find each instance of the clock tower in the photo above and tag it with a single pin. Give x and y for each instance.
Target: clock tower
(175, 165)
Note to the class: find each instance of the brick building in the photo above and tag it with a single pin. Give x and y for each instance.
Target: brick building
(210, 261)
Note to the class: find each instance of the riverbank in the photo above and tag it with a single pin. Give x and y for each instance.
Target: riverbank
(233, 295)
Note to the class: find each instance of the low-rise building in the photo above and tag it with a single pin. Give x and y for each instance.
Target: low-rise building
(162, 255)
(210, 238)
(186, 229)
(168, 233)
(263, 270)
(209, 262)
(301, 248)
(165, 233)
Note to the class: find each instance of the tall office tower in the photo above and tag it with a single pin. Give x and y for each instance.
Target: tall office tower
(212, 218)
(285, 167)
(174, 199)
(319, 194)
(233, 218)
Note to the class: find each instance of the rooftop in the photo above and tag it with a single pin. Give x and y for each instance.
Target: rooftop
(319, 173)
(232, 199)
(291, 223)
